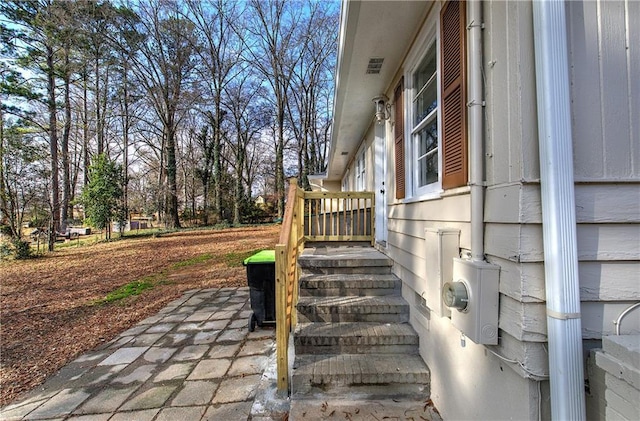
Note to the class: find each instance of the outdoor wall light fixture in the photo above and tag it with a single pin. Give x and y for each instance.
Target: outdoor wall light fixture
(383, 109)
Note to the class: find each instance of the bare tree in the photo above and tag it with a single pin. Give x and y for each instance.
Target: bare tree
(308, 115)
(163, 68)
(270, 46)
(220, 61)
(248, 120)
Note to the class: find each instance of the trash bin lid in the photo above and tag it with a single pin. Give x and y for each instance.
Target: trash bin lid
(264, 256)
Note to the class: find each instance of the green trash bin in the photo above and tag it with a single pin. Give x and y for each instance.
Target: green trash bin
(261, 277)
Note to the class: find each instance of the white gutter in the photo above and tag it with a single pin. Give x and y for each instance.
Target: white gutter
(558, 211)
(476, 135)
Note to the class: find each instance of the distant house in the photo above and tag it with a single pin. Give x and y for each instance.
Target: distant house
(260, 200)
(265, 200)
(451, 147)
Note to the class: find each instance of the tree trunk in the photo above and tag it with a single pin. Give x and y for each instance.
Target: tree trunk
(66, 173)
(125, 147)
(217, 164)
(239, 188)
(3, 187)
(280, 160)
(205, 199)
(99, 128)
(53, 147)
(162, 191)
(172, 198)
(85, 130)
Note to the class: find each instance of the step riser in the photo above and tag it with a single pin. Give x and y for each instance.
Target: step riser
(352, 317)
(355, 308)
(363, 386)
(372, 270)
(356, 349)
(310, 263)
(365, 340)
(343, 292)
(353, 379)
(300, 390)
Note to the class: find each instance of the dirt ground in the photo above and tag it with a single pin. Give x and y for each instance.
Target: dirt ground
(48, 314)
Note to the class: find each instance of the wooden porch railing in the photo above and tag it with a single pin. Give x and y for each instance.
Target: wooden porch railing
(338, 216)
(289, 246)
(312, 216)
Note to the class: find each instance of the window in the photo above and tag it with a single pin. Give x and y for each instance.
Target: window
(435, 109)
(345, 181)
(360, 172)
(424, 130)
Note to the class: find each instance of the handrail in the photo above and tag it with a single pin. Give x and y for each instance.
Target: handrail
(312, 216)
(287, 250)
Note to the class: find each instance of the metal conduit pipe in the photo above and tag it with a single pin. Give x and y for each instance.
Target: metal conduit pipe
(476, 135)
(564, 330)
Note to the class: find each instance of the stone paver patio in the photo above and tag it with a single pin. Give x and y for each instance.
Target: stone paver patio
(194, 360)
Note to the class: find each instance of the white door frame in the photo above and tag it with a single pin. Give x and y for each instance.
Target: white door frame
(380, 188)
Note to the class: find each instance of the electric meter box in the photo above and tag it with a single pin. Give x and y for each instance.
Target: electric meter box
(478, 320)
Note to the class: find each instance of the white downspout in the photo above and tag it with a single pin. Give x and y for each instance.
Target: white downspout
(476, 135)
(558, 211)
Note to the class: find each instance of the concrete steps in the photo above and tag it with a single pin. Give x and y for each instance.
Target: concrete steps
(344, 260)
(353, 309)
(353, 335)
(350, 284)
(373, 375)
(355, 338)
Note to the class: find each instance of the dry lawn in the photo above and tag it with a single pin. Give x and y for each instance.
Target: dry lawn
(48, 314)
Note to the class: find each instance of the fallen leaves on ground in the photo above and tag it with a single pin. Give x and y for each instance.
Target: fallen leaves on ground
(47, 311)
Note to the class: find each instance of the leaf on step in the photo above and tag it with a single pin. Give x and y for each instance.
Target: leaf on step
(357, 411)
(347, 415)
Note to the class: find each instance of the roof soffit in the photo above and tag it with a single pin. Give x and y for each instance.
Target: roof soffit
(369, 29)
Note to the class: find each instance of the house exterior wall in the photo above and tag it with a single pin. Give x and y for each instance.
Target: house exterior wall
(366, 146)
(605, 90)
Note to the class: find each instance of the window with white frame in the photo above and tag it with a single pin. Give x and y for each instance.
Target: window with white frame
(430, 132)
(424, 138)
(360, 172)
(424, 127)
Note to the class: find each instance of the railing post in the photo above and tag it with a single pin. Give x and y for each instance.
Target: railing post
(373, 219)
(282, 325)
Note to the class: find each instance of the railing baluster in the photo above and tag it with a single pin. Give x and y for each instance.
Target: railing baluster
(357, 224)
(343, 210)
(331, 230)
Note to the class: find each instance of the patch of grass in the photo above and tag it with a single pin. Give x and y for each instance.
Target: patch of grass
(235, 259)
(193, 261)
(128, 290)
(78, 242)
(148, 282)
